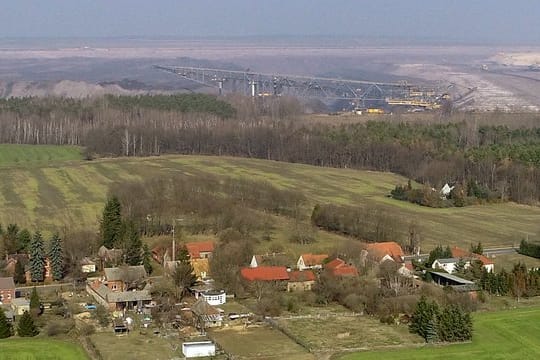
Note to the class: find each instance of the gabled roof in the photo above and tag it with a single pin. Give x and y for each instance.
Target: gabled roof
(449, 260)
(313, 259)
(7, 283)
(301, 276)
(87, 261)
(256, 259)
(339, 267)
(138, 295)
(334, 264)
(265, 273)
(381, 249)
(460, 253)
(483, 259)
(348, 270)
(202, 308)
(121, 273)
(196, 248)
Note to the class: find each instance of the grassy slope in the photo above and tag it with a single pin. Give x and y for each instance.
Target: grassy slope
(39, 349)
(499, 335)
(49, 195)
(36, 154)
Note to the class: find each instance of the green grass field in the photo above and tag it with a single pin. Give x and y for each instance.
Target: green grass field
(507, 335)
(39, 349)
(50, 194)
(36, 154)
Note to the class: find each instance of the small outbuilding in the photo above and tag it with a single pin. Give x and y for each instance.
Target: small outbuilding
(20, 305)
(198, 349)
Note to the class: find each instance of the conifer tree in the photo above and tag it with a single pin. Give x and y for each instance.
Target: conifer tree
(134, 251)
(56, 257)
(424, 319)
(10, 238)
(6, 330)
(111, 223)
(26, 327)
(34, 301)
(23, 240)
(147, 259)
(37, 258)
(19, 276)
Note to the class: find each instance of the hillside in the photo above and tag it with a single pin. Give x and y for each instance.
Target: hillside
(49, 194)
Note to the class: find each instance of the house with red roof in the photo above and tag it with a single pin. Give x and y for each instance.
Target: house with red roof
(487, 264)
(265, 273)
(301, 280)
(340, 268)
(311, 261)
(200, 250)
(383, 251)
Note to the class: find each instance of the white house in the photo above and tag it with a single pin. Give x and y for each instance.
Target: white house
(256, 261)
(214, 297)
(87, 265)
(311, 261)
(446, 190)
(449, 265)
(198, 349)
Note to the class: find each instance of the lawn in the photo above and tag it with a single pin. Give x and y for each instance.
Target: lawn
(259, 342)
(71, 193)
(507, 335)
(37, 154)
(39, 349)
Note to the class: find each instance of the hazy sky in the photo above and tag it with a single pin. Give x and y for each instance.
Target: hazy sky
(498, 21)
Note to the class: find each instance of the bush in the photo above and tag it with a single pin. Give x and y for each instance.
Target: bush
(87, 329)
(59, 327)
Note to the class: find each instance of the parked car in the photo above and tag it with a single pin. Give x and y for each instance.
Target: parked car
(90, 306)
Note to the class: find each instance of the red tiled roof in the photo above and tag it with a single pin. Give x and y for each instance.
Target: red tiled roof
(460, 253)
(265, 273)
(299, 276)
(196, 248)
(347, 270)
(338, 267)
(337, 262)
(313, 259)
(392, 248)
(483, 259)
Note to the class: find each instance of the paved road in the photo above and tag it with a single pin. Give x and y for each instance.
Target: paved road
(501, 251)
(487, 252)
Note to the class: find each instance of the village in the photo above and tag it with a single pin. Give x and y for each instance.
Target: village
(130, 301)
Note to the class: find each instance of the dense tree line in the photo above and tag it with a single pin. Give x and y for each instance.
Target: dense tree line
(501, 159)
(435, 324)
(367, 224)
(463, 194)
(520, 282)
(14, 241)
(529, 249)
(207, 203)
(120, 232)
